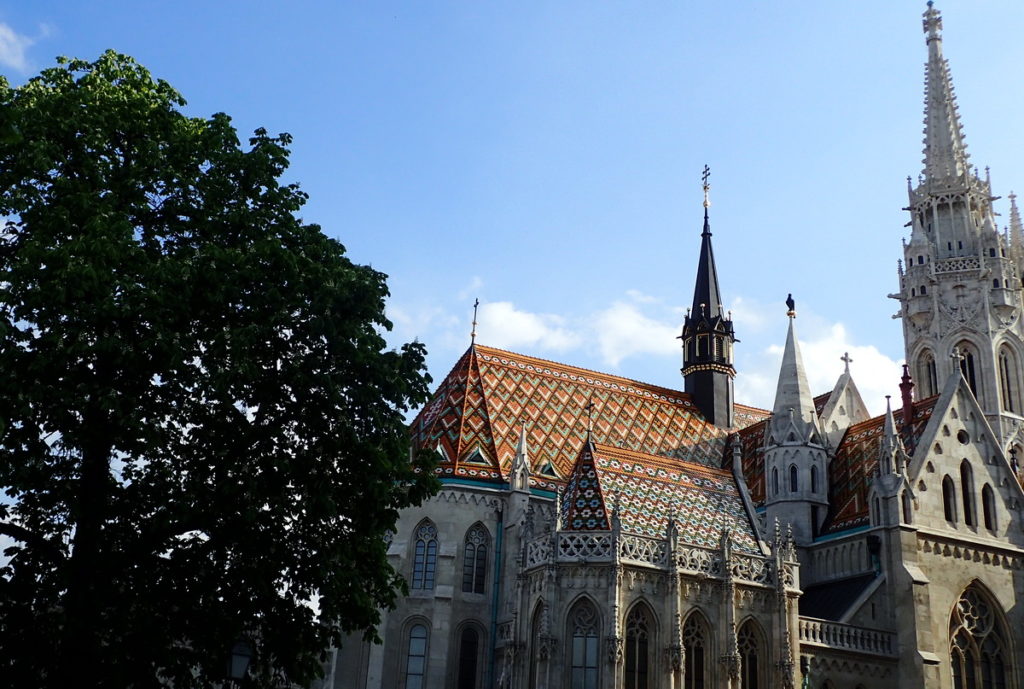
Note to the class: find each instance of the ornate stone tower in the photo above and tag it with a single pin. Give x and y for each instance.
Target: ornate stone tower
(708, 338)
(795, 458)
(960, 287)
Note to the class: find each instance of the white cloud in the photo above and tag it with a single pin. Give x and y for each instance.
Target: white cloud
(501, 324)
(875, 374)
(623, 331)
(13, 47)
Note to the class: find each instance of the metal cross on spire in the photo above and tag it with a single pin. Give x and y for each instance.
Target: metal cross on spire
(707, 187)
(472, 334)
(589, 407)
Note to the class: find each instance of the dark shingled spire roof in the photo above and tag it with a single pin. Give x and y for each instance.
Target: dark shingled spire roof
(706, 290)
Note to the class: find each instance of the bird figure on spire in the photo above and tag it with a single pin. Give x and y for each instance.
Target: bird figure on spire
(791, 305)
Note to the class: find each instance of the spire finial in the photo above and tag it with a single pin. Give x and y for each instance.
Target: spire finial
(932, 23)
(707, 187)
(472, 334)
(590, 416)
(791, 305)
(845, 358)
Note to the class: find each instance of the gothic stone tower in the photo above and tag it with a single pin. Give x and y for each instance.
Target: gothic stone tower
(960, 287)
(708, 338)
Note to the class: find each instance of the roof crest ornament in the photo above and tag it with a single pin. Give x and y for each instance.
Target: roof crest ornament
(472, 334)
(707, 187)
(845, 358)
(791, 306)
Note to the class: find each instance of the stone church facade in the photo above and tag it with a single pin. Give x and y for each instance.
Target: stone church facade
(596, 532)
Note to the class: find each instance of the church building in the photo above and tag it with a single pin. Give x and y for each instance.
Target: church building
(595, 532)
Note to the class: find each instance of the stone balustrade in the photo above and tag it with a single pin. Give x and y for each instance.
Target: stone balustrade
(846, 637)
(599, 546)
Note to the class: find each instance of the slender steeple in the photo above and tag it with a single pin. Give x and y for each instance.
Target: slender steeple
(708, 336)
(1016, 231)
(793, 412)
(945, 153)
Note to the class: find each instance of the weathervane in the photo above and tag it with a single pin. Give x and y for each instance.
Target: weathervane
(472, 335)
(707, 187)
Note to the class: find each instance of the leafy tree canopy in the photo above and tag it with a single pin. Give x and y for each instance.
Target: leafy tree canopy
(202, 429)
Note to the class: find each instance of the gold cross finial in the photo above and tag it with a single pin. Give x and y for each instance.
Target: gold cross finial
(472, 335)
(707, 187)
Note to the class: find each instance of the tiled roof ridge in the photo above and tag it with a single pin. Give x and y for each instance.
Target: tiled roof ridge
(661, 460)
(918, 405)
(604, 377)
(568, 368)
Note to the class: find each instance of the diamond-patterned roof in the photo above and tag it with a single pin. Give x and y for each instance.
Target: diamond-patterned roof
(475, 416)
(649, 490)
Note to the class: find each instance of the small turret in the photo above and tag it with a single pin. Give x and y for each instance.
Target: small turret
(795, 456)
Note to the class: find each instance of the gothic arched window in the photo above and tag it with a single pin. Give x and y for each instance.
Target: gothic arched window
(639, 629)
(583, 626)
(469, 654)
(814, 479)
(474, 559)
(988, 506)
(416, 658)
(968, 359)
(794, 484)
(1009, 382)
(978, 653)
(948, 499)
(967, 489)
(926, 374)
(908, 511)
(695, 648)
(540, 650)
(750, 642)
(424, 562)
(775, 481)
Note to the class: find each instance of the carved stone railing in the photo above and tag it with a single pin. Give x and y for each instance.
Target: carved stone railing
(589, 546)
(846, 637)
(956, 265)
(643, 550)
(633, 549)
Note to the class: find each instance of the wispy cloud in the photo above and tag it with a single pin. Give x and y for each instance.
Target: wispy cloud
(624, 330)
(14, 47)
(502, 325)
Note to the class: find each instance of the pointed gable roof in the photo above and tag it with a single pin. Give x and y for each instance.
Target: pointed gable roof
(490, 394)
(648, 490)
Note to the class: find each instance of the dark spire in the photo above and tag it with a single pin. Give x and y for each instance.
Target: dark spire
(707, 299)
(708, 336)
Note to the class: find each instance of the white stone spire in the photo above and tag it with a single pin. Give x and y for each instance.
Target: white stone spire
(1016, 229)
(945, 153)
(520, 474)
(890, 460)
(794, 404)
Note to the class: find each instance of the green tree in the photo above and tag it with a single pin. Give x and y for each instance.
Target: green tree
(202, 429)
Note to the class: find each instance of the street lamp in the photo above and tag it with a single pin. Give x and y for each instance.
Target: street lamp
(238, 663)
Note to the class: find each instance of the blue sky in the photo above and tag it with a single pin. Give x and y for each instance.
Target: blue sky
(546, 157)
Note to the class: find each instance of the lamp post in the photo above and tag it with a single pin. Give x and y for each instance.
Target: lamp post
(238, 662)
